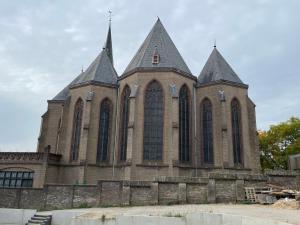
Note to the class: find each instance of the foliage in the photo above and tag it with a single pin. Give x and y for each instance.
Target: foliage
(278, 143)
(84, 205)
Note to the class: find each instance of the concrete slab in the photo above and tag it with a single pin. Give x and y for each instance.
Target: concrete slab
(232, 220)
(179, 215)
(64, 217)
(212, 219)
(194, 218)
(85, 221)
(15, 216)
(149, 220)
(253, 221)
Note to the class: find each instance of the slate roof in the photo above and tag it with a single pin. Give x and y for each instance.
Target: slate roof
(217, 69)
(108, 46)
(63, 94)
(100, 71)
(158, 40)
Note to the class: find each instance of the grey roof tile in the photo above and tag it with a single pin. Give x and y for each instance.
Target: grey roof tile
(101, 70)
(63, 94)
(108, 46)
(217, 69)
(158, 40)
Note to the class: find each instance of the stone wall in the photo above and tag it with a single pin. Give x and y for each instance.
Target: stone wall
(286, 178)
(163, 191)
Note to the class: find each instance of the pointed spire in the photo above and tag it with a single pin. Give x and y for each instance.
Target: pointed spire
(217, 69)
(158, 41)
(108, 43)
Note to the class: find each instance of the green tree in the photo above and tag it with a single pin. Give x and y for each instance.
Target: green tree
(277, 143)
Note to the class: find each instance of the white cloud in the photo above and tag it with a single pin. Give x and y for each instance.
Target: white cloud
(71, 30)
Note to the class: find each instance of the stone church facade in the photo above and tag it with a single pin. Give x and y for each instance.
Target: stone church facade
(155, 119)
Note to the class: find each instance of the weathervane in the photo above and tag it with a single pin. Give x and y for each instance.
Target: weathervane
(110, 12)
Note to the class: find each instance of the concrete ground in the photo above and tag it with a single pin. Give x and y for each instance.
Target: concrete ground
(261, 211)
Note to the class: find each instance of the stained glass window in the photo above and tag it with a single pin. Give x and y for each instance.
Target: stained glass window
(104, 130)
(207, 132)
(153, 122)
(236, 131)
(124, 122)
(184, 124)
(77, 122)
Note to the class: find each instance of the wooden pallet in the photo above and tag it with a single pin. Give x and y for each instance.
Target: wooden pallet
(250, 194)
(262, 190)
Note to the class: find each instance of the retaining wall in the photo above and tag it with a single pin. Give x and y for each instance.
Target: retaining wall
(164, 190)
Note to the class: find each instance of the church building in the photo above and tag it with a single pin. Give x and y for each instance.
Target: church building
(155, 119)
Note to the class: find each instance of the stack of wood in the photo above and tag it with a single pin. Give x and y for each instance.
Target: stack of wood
(269, 194)
(282, 192)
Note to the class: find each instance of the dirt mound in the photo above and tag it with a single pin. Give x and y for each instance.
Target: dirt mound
(286, 204)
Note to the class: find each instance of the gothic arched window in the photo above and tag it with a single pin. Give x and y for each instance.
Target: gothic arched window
(153, 122)
(207, 132)
(77, 123)
(184, 124)
(104, 130)
(124, 122)
(236, 131)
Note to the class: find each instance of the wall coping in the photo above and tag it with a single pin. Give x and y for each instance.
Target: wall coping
(228, 176)
(285, 173)
(165, 179)
(128, 182)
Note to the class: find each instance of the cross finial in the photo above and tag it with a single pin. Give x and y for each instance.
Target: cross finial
(110, 14)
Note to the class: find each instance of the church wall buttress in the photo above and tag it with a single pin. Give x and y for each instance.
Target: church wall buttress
(61, 145)
(50, 127)
(254, 142)
(43, 132)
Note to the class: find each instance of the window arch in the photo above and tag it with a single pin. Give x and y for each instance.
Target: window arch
(124, 122)
(207, 132)
(236, 131)
(153, 121)
(104, 130)
(184, 124)
(77, 123)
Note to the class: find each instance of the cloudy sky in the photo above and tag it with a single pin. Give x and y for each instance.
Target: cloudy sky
(44, 44)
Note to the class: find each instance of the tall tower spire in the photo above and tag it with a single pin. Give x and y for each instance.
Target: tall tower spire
(108, 44)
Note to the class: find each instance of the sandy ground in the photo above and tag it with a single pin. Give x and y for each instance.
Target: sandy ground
(262, 211)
